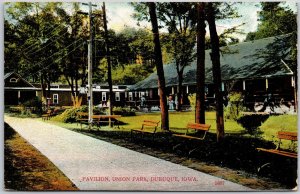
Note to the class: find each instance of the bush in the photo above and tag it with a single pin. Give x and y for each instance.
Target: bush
(35, 104)
(192, 99)
(252, 122)
(124, 111)
(235, 106)
(69, 115)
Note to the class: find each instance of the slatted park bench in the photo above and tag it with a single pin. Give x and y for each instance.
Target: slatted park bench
(193, 132)
(82, 118)
(290, 153)
(148, 127)
(47, 115)
(284, 135)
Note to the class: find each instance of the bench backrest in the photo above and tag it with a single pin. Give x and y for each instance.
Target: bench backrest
(293, 136)
(197, 126)
(150, 123)
(82, 115)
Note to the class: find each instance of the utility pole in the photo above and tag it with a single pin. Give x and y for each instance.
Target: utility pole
(109, 79)
(90, 62)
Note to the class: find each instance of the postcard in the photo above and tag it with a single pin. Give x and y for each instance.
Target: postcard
(150, 96)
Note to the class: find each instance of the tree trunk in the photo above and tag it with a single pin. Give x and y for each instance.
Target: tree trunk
(109, 79)
(200, 76)
(159, 67)
(179, 89)
(215, 57)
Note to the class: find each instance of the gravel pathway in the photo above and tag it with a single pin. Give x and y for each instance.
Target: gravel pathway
(93, 164)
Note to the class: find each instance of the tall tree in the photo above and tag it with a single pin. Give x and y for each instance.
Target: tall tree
(73, 66)
(215, 57)
(179, 20)
(159, 67)
(200, 77)
(36, 28)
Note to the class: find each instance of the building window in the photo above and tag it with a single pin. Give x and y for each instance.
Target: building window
(55, 98)
(13, 80)
(130, 96)
(117, 96)
(103, 96)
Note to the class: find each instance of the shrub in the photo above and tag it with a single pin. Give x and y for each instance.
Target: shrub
(252, 122)
(35, 104)
(69, 115)
(235, 106)
(192, 99)
(124, 111)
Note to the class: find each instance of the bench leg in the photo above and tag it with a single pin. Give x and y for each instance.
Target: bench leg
(263, 166)
(176, 146)
(190, 152)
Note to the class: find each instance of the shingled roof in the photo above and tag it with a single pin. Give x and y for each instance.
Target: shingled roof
(247, 60)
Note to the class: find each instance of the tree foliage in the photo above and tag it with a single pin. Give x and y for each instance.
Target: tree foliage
(274, 20)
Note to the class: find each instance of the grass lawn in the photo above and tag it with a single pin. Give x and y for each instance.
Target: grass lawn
(274, 124)
(179, 120)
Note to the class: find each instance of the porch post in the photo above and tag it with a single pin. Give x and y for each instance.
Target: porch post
(267, 84)
(19, 96)
(244, 85)
(222, 86)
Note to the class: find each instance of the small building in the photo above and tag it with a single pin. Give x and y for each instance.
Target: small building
(254, 68)
(17, 90)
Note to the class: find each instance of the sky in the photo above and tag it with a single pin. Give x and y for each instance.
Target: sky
(120, 15)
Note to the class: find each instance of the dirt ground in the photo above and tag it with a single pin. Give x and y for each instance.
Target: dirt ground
(26, 169)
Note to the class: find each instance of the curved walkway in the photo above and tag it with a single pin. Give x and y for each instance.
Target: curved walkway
(93, 164)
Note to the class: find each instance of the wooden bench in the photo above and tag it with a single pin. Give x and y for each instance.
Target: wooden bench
(82, 118)
(283, 135)
(47, 115)
(98, 119)
(148, 126)
(195, 127)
